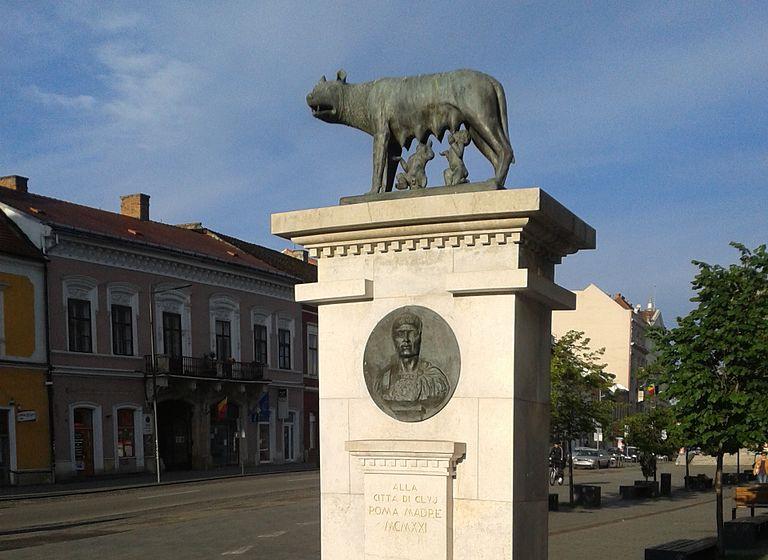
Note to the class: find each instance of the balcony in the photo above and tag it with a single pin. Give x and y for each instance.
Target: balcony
(207, 368)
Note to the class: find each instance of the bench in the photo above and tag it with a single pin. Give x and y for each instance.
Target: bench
(651, 485)
(751, 496)
(744, 532)
(635, 492)
(729, 479)
(554, 502)
(587, 495)
(698, 482)
(684, 549)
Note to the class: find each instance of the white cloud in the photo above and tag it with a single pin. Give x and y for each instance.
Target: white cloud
(78, 102)
(152, 96)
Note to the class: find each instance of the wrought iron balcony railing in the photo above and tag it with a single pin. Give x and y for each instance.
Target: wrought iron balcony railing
(204, 367)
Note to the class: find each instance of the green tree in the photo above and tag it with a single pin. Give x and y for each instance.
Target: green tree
(578, 381)
(651, 432)
(714, 365)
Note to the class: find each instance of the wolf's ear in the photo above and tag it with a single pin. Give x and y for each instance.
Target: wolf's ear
(323, 78)
(341, 76)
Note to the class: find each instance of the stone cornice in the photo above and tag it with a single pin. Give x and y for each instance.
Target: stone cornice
(526, 217)
(164, 266)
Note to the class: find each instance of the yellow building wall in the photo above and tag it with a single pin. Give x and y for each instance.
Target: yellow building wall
(19, 312)
(26, 388)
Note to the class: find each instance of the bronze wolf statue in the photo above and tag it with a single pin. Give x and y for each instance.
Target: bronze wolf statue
(395, 111)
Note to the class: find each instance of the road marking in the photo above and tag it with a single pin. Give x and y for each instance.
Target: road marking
(304, 523)
(238, 551)
(272, 535)
(168, 494)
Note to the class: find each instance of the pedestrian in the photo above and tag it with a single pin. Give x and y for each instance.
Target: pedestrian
(761, 467)
(680, 457)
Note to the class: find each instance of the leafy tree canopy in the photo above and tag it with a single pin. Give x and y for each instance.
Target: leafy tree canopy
(651, 432)
(714, 365)
(578, 379)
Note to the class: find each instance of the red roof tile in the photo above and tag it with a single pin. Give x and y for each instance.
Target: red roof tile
(62, 214)
(14, 242)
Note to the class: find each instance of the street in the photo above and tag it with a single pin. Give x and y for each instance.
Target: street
(277, 517)
(241, 517)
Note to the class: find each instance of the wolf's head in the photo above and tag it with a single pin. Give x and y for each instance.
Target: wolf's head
(325, 98)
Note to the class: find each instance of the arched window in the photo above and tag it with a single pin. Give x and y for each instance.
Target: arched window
(129, 443)
(123, 318)
(173, 323)
(262, 334)
(225, 327)
(286, 331)
(80, 300)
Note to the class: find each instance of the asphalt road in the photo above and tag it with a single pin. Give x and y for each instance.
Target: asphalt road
(241, 518)
(277, 517)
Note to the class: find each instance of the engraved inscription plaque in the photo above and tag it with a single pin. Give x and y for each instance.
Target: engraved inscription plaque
(411, 363)
(408, 497)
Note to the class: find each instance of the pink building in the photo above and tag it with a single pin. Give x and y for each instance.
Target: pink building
(228, 341)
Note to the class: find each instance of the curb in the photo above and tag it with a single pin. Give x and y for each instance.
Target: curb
(118, 488)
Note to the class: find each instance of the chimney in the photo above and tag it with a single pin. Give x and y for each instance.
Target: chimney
(14, 183)
(135, 206)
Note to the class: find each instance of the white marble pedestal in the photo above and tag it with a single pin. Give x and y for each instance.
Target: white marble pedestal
(484, 262)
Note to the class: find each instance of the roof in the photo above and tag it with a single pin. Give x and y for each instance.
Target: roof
(303, 270)
(61, 214)
(622, 301)
(14, 242)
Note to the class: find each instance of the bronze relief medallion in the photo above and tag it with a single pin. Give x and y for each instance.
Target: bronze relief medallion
(411, 363)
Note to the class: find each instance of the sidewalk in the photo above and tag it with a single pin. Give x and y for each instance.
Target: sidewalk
(113, 482)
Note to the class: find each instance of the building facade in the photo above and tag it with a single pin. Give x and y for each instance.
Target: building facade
(25, 437)
(147, 316)
(611, 322)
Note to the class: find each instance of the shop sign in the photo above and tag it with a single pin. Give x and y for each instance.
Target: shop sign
(282, 404)
(26, 416)
(147, 425)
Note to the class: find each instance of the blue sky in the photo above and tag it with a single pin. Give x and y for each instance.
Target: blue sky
(648, 120)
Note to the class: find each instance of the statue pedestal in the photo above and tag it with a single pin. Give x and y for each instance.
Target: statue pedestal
(483, 264)
(408, 496)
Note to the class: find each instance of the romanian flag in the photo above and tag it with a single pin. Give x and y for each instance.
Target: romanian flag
(221, 409)
(651, 390)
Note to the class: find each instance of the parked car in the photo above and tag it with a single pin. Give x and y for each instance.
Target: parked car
(616, 457)
(630, 454)
(589, 458)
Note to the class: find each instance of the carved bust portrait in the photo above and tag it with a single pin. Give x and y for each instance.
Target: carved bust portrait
(411, 363)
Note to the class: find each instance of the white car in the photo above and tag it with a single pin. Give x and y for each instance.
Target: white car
(588, 458)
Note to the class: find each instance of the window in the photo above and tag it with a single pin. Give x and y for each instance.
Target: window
(223, 340)
(172, 334)
(122, 330)
(260, 344)
(284, 348)
(175, 333)
(2, 324)
(224, 314)
(265, 455)
(123, 301)
(79, 317)
(126, 446)
(312, 430)
(312, 356)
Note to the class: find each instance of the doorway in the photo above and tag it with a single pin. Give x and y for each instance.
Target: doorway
(174, 427)
(289, 440)
(5, 446)
(225, 440)
(83, 434)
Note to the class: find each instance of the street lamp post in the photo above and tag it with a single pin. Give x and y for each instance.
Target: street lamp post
(152, 294)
